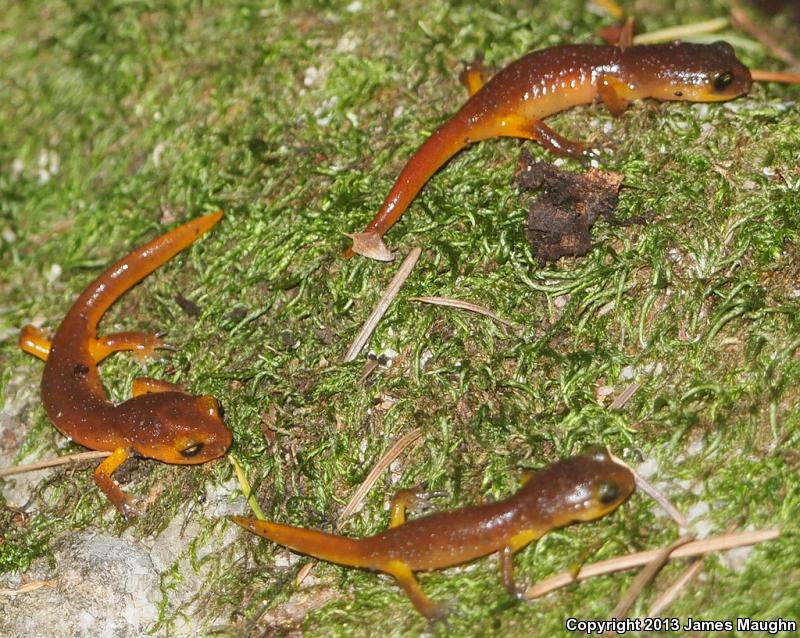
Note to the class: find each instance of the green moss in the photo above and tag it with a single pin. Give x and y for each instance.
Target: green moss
(295, 120)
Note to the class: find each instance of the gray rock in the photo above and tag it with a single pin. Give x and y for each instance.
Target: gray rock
(103, 586)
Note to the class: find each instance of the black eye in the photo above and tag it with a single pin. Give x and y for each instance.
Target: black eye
(221, 412)
(192, 450)
(723, 80)
(608, 493)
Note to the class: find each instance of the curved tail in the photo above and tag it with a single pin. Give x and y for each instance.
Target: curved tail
(130, 270)
(448, 140)
(330, 547)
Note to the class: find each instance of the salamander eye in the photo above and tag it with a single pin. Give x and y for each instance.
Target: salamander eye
(193, 450)
(722, 80)
(607, 493)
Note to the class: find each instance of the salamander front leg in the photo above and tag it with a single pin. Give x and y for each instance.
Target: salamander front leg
(473, 77)
(109, 487)
(400, 502)
(614, 94)
(414, 498)
(142, 345)
(33, 341)
(405, 577)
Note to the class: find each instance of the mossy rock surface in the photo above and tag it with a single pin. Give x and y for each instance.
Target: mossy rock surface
(121, 119)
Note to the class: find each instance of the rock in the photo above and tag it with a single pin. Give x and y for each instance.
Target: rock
(103, 587)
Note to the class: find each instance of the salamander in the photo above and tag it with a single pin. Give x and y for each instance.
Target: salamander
(514, 102)
(577, 489)
(161, 421)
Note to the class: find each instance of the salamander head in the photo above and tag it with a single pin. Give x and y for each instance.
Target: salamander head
(686, 71)
(578, 489)
(174, 427)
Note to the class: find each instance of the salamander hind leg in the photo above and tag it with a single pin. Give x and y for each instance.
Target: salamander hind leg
(109, 487)
(558, 144)
(507, 572)
(405, 577)
(33, 341)
(142, 345)
(146, 385)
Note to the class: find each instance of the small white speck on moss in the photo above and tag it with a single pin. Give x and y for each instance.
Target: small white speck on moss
(355, 7)
(347, 43)
(697, 515)
(701, 108)
(286, 559)
(9, 235)
(648, 468)
(157, 153)
(736, 559)
(53, 274)
(424, 358)
(310, 76)
(627, 373)
(695, 447)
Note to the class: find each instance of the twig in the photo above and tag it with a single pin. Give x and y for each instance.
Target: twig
(383, 305)
(644, 577)
(80, 457)
(247, 491)
(759, 75)
(28, 587)
(671, 593)
(384, 462)
(622, 400)
(463, 305)
(303, 573)
(741, 19)
(622, 563)
(368, 369)
(681, 31)
(649, 489)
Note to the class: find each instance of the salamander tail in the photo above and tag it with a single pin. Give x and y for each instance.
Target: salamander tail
(129, 270)
(329, 547)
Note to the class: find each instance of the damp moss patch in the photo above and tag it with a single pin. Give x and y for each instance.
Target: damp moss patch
(121, 119)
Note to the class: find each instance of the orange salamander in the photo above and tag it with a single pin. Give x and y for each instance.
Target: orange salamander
(160, 421)
(514, 102)
(577, 489)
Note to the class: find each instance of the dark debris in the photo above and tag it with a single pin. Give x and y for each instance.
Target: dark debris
(560, 220)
